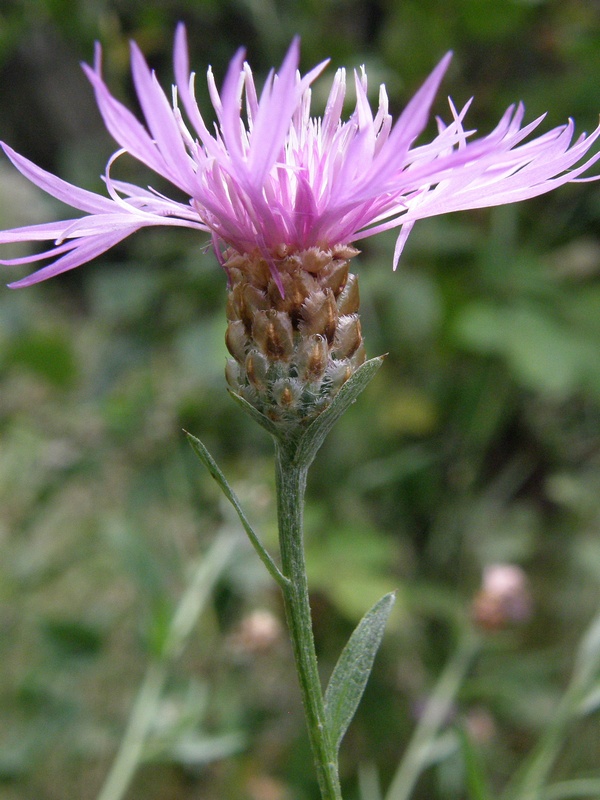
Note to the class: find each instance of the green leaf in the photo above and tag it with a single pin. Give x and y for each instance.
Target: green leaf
(256, 415)
(49, 355)
(587, 662)
(476, 779)
(308, 443)
(591, 702)
(368, 782)
(351, 673)
(72, 638)
(211, 465)
(313, 437)
(543, 353)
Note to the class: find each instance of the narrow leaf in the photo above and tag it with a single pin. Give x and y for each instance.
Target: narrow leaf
(313, 437)
(351, 673)
(369, 785)
(587, 662)
(211, 465)
(256, 415)
(477, 785)
(590, 702)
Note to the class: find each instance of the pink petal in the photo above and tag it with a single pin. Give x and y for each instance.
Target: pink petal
(69, 194)
(84, 250)
(161, 122)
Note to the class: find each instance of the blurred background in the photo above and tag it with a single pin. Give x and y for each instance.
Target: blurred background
(477, 444)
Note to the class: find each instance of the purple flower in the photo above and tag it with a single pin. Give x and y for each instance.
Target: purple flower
(271, 179)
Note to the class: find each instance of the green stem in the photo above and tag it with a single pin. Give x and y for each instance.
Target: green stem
(529, 781)
(142, 716)
(291, 483)
(437, 709)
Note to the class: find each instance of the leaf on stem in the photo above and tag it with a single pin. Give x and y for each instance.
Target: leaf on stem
(351, 673)
(256, 415)
(211, 465)
(313, 437)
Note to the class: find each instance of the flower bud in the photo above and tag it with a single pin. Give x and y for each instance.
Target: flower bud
(256, 633)
(293, 346)
(504, 597)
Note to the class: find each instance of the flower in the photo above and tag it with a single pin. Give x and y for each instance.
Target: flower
(504, 597)
(273, 180)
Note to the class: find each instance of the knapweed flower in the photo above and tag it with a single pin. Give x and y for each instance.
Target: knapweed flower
(504, 598)
(284, 196)
(275, 179)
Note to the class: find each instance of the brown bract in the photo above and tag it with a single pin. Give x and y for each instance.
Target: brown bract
(292, 349)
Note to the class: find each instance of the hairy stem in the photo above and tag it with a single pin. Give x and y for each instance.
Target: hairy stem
(291, 482)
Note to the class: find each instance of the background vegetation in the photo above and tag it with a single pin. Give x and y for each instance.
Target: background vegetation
(478, 443)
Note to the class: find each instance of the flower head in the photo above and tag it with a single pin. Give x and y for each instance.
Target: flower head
(272, 180)
(504, 597)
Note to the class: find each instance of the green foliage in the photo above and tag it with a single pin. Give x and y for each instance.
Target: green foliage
(49, 356)
(311, 440)
(218, 476)
(351, 673)
(475, 776)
